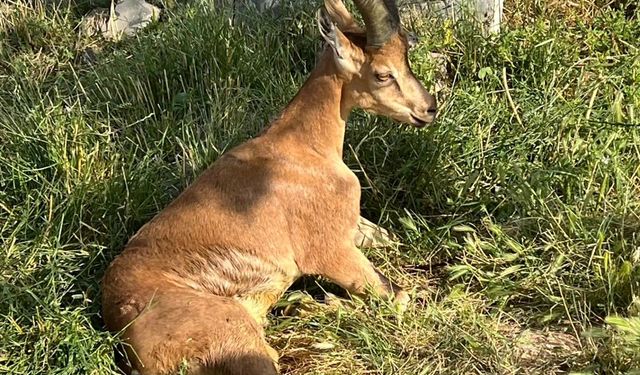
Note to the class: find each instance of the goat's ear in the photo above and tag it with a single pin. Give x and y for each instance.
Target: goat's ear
(329, 32)
(343, 50)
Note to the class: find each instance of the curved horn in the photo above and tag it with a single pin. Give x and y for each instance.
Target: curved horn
(341, 16)
(381, 19)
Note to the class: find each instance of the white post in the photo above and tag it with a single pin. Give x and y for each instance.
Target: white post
(488, 13)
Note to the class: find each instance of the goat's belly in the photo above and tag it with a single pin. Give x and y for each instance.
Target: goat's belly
(258, 303)
(256, 283)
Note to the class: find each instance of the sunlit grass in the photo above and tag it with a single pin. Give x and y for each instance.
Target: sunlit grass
(517, 213)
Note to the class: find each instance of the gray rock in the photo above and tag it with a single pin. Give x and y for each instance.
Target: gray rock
(266, 4)
(126, 17)
(132, 15)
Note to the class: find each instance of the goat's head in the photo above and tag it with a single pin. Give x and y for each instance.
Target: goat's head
(374, 63)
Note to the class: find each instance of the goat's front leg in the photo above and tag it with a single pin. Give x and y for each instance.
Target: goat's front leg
(350, 269)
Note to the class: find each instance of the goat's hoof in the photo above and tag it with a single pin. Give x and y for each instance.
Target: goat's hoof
(401, 301)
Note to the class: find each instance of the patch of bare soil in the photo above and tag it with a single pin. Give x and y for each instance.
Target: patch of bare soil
(544, 351)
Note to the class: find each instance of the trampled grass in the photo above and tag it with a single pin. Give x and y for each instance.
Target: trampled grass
(518, 213)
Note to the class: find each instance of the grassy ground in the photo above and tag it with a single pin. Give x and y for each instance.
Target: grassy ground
(518, 213)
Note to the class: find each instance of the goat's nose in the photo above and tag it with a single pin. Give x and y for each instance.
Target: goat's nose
(428, 113)
(430, 107)
(431, 110)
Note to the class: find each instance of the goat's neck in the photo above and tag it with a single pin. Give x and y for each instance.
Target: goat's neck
(315, 119)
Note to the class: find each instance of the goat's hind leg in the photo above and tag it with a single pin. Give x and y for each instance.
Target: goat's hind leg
(207, 334)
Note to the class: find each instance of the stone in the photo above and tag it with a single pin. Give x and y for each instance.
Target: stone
(127, 17)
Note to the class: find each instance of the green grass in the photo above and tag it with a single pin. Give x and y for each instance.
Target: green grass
(518, 212)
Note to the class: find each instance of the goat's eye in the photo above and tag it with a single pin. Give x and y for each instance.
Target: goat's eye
(383, 77)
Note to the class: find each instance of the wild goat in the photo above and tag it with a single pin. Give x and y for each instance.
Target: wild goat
(194, 285)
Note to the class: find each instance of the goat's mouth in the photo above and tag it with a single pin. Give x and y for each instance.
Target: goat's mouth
(420, 122)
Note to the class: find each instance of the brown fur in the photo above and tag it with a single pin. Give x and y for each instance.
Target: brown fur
(195, 283)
